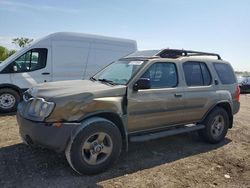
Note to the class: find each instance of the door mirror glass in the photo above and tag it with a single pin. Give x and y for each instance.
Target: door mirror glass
(142, 83)
(14, 68)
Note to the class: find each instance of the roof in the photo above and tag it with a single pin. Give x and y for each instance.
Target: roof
(77, 36)
(169, 53)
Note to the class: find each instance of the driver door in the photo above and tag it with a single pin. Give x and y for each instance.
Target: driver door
(32, 68)
(159, 106)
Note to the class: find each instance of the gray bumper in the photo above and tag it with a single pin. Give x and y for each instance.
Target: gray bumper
(45, 135)
(236, 107)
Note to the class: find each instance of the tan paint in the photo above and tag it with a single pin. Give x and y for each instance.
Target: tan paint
(80, 108)
(146, 109)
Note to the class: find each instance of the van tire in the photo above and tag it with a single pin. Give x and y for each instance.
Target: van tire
(79, 158)
(216, 126)
(9, 100)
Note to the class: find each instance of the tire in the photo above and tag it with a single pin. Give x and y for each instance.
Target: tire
(216, 126)
(9, 99)
(95, 147)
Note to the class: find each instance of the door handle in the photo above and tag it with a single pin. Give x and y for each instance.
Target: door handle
(45, 73)
(178, 95)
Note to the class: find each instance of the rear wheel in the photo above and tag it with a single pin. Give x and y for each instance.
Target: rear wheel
(95, 147)
(217, 123)
(9, 99)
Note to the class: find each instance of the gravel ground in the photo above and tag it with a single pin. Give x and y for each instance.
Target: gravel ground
(177, 161)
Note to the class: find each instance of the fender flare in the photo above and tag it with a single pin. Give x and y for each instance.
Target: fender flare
(102, 115)
(218, 104)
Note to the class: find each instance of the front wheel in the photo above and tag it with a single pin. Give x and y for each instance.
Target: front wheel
(8, 100)
(95, 147)
(217, 123)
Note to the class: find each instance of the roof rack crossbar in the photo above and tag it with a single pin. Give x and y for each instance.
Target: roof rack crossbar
(173, 53)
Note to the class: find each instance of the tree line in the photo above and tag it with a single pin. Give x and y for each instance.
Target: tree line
(20, 42)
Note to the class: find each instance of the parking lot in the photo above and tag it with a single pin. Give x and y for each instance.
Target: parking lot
(177, 161)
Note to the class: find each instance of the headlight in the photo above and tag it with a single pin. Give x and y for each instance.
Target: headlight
(41, 108)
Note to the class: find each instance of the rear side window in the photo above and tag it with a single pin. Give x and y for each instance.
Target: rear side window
(196, 74)
(225, 73)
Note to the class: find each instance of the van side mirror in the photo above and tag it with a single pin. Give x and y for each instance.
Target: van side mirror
(14, 68)
(142, 83)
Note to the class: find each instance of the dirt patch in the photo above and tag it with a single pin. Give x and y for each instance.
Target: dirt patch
(178, 161)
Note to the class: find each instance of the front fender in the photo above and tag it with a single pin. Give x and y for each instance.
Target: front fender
(78, 109)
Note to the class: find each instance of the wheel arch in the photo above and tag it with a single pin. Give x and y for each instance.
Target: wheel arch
(226, 106)
(13, 87)
(111, 116)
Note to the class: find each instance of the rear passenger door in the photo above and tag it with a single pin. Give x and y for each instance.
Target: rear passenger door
(199, 90)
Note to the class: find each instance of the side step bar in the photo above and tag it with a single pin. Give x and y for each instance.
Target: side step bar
(171, 132)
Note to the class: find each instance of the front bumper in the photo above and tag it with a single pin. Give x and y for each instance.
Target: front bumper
(45, 135)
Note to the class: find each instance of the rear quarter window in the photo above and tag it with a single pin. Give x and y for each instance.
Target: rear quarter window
(225, 73)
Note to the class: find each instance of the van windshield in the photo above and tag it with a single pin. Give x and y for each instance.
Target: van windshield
(119, 72)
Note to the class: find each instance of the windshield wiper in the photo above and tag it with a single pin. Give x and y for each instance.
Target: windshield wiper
(107, 81)
(92, 78)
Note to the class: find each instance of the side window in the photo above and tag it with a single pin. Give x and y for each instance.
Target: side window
(196, 74)
(32, 60)
(225, 73)
(162, 75)
(206, 74)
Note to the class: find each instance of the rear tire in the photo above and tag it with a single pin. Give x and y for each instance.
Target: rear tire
(95, 147)
(217, 123)
(9, 100)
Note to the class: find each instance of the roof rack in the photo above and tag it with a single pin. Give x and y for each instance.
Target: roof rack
(175, 53)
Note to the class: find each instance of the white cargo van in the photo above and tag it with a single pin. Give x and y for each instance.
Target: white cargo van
(59, 56)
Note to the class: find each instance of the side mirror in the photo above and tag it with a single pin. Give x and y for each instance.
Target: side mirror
(142, 83)
(14, 68)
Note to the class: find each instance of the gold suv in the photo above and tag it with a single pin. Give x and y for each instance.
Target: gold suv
(146, 95)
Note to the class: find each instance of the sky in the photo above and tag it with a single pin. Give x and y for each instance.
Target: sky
(220, 26)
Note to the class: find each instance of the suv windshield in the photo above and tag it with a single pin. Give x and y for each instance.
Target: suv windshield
(118, 72)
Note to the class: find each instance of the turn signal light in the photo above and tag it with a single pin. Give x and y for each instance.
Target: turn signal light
(58, 124)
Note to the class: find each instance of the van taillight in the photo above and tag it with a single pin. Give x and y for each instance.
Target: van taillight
(237, 97)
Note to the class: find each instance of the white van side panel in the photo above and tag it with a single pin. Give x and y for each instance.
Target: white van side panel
(102, 54)
(5, 79)
(69, 59)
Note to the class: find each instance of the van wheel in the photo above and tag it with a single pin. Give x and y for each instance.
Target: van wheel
(8, 100)
(217, 123)
(95, 147)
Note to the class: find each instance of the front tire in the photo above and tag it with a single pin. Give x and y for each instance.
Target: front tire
(9, 99)
(217, 123)
(95, 147)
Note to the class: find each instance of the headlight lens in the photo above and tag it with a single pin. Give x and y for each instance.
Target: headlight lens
(41, 108)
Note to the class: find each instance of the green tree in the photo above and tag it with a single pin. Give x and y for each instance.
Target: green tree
(3, 53)
(21, 42)
(11, 52)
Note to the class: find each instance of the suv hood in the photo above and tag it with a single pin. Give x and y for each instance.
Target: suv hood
(53, 90)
